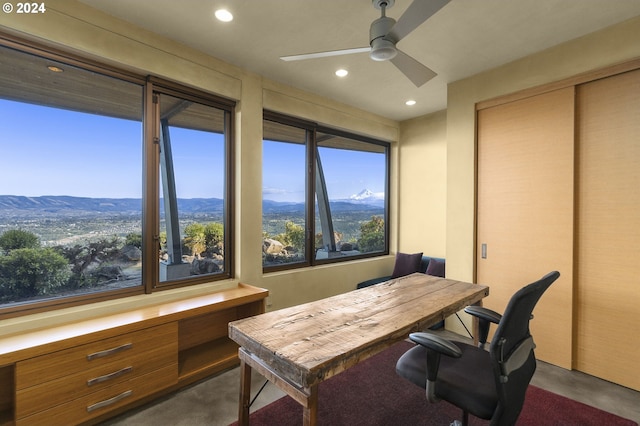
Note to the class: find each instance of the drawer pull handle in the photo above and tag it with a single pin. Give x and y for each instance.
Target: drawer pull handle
(109, 401)
(109, 351)
(109, 376)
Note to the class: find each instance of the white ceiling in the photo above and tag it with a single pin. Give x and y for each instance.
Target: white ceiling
(462, 39)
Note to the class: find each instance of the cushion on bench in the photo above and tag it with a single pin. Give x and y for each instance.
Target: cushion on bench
(428, 265)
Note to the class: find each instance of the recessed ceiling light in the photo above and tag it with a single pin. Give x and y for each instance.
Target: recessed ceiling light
(224, 15)
(342, 73)
(53, 68)
(410, 102)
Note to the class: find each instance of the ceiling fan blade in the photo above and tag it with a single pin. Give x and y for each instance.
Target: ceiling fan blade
(325, 54)
(418, 12)
(414, 70)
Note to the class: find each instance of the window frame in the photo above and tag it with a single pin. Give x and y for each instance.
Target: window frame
(312, 129)
(387, 150)
(150, 178)
(309, 199)
(151, 183)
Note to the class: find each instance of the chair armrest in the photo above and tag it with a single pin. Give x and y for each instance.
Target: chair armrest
(485, 317)
(436, 343)
(483, 313)
(435, 346)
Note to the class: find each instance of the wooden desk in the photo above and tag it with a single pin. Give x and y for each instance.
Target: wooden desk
(297, 348)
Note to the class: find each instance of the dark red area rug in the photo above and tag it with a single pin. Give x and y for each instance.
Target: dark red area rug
(372, 394)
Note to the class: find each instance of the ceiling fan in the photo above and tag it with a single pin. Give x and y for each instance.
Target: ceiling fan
(385, 32)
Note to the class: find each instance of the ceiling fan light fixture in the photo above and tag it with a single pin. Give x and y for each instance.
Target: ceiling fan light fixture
(382, 50)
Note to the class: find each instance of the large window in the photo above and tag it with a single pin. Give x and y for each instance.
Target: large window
(325, 194)
(284, 195)
(110, 184)
(351, 188)
(193, 167)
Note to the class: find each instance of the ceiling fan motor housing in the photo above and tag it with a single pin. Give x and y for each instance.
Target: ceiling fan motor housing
(382, 47)
(386, 3)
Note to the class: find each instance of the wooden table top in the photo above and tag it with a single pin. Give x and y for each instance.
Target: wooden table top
(308, 343)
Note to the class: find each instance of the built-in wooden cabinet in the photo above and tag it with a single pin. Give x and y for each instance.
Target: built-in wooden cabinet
(87, 371)
(78, 383)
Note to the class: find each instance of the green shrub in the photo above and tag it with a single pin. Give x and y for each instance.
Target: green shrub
(29, 272)
(213, 235)
(194, 238)
(372, 235)
(18, 239)
(134, 239)
(293, 236)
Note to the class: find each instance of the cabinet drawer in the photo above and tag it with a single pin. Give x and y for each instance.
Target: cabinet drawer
(86, 407)
(45, 395)
(92, 356)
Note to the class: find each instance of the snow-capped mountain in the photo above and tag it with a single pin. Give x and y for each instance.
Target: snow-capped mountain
(367, 197)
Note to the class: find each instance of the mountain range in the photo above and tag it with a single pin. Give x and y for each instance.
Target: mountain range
(64, 203)
(68, 204)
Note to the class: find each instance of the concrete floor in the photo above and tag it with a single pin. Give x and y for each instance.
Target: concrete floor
(215, 401)
(582, 387)
(589, 390)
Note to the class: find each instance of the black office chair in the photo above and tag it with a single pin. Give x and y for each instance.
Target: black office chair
(490, 384)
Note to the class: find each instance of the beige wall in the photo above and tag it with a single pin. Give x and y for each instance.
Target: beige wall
(422, 206)
(76, 28)
(606, 47)
(432, 174)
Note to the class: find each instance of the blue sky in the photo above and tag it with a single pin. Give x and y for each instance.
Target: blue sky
(49, 151)
(346, 172)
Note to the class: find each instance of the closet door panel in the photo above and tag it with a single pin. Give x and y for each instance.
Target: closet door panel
(526, 210)
(608, 228)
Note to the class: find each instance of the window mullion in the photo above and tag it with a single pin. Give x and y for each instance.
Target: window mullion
(150, 215)
(174, 242)
(310, 188)
(324, 208)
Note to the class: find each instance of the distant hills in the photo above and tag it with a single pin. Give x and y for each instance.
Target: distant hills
(65, 203)
(336, 207)
(62, 204)
(364, 200)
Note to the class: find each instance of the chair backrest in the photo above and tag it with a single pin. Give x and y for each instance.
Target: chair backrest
(512, 353)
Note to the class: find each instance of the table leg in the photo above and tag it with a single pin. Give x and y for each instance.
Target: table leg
(245, 393)
(310, 411)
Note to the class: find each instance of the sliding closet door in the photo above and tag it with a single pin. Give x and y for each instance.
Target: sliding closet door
(526, 210)
(608, 229)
